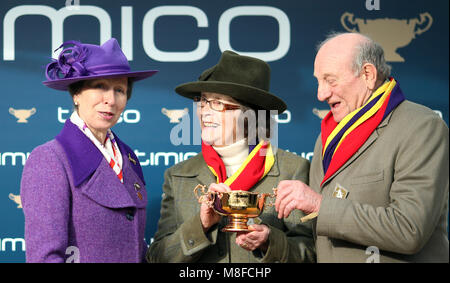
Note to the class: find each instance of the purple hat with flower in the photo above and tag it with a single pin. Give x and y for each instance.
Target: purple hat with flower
(78, 61)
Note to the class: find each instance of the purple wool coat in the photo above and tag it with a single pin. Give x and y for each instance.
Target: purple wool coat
(76, 209)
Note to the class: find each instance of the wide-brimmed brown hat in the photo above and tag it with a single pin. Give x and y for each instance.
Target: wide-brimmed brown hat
(244, 78)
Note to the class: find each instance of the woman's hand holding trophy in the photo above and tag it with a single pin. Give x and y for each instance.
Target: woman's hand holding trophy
(208, 216)
(239, 206)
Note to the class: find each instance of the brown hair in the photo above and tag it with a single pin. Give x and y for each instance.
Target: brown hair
(77, 87)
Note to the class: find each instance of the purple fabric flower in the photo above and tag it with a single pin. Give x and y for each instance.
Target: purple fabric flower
(70, 62)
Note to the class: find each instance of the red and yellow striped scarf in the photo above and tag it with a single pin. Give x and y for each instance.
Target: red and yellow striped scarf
(257, 164)
(341, 140)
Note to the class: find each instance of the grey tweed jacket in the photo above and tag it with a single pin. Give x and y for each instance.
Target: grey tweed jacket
(180, 237)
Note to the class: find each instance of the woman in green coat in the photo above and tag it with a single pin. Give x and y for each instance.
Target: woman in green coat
(232, 100)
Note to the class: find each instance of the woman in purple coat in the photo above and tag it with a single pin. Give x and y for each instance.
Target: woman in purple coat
(83, 193)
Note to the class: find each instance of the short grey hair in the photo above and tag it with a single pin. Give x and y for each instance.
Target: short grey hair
(368, 51)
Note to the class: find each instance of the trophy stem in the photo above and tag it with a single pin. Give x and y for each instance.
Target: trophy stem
(236, 223)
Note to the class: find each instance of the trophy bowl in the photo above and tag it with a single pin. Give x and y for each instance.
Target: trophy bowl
(237, 205)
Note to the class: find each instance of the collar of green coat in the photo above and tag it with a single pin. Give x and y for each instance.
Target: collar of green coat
(194, 166)
(385, 121)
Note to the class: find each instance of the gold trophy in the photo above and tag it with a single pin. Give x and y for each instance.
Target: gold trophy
(238, 206)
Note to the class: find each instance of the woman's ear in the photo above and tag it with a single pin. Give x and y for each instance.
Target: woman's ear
(75, 99)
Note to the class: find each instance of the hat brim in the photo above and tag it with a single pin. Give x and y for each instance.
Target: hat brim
(63, 84)
(254, 97)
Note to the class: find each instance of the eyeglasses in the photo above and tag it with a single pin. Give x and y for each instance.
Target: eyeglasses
(215, 105)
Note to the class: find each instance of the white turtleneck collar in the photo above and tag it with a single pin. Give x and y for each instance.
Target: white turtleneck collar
(233, 155)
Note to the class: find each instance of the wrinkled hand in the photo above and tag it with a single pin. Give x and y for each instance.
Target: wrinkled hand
(208, 216)
(254, 239)
(294, 194)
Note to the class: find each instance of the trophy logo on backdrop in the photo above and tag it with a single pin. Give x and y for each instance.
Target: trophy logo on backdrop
(22, 114)
(16, 199)
(391, 34)
(175, 114)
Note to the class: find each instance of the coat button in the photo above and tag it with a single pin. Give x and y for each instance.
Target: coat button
(130, 216)
(221, 252)
(137, 187)
(191, 242)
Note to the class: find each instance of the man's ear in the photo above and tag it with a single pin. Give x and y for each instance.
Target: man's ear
(369, 75)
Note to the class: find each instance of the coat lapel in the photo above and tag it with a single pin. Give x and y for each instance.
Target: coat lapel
(133, 182)
(198, 169)
(83, 156)
(105, 188)
(93, 175)
(274, 171)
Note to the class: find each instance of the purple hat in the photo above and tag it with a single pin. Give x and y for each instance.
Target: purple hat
(87, 61)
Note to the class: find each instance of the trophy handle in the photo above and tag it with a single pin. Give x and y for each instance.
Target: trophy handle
(423, 18)
(273, 195)
(348, 16)
(202, 188)
(205, 197)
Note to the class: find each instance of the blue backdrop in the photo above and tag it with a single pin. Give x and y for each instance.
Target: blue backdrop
(181, 39)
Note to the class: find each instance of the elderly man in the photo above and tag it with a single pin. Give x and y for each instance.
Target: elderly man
(379, 177)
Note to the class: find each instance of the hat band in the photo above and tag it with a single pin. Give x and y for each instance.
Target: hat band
(77, 70)
(107, 68)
